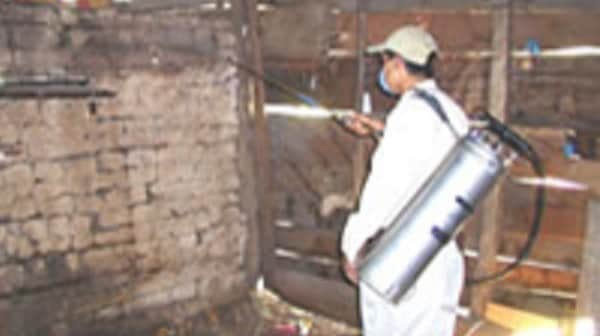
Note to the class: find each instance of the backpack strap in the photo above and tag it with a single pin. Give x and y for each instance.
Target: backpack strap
(435, 105)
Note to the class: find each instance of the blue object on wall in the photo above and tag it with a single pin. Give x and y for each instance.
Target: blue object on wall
(533, 47)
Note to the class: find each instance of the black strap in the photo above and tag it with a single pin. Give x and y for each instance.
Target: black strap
(433, 103)
(437, 107)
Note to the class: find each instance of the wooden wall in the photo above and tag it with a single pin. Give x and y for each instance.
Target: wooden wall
(549, 96)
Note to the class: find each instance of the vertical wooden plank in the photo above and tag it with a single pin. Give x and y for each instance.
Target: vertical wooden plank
(263, 150)
(588, 298)
(245, 19)
(360, 155)
(498, 103)
(253, 254)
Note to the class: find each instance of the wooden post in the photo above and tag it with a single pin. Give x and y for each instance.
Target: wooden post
(588, 298)
(263, 150)
(359, 166)
(245, 17)
(498, 105)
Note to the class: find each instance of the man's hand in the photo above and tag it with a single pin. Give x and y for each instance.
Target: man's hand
(350, 271)
(362, 125)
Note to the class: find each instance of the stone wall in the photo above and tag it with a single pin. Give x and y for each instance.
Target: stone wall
(124, 215)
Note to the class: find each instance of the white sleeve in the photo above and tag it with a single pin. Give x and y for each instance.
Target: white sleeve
(398, 159)
(353, 237)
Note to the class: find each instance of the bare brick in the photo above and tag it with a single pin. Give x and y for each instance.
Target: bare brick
(55, 142)
(11, 240)
(7, 197)
(36, 231)
(111, 217)
(23, 208)
(111, 161)
(62, 205)
(118, 179)
(80, 175)
(138, 194)
(118, 236)
(48, 171)
(88, 204)
(47, 191)
(60, 232)
(144, 214)
(73, 262)
(11, 278)
(36, 37)
(105, 260)
(184, 291)
(149, 301)
(20, 177)
(82, 232)
(25, 249)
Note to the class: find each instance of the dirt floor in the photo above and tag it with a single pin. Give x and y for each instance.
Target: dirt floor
(263, 313)
(281, 318)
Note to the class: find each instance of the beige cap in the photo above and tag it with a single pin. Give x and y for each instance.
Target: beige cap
(411, 42)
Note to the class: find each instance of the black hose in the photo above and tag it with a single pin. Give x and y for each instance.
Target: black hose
(523, 147)
(292, 92)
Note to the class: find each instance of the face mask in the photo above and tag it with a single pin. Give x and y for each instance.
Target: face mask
(383, 84)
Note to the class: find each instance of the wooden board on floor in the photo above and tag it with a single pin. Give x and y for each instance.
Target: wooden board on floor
(588, 304)
(308, 241)
(331, 298)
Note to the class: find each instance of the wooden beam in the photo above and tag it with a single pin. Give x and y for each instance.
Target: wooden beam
(394, 5)
(588, 302)
(263, 150)
(253, 253)
(498, 103)
(359, 160)
(245, 23)
(149, 5)
(559, 34)
(517, 319)
(308, 241)
(585, 172)
(329, 270)
(334, 299)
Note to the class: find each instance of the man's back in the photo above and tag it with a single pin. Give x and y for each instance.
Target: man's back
(415, 142)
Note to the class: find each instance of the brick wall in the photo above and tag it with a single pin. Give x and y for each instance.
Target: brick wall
(125, 217)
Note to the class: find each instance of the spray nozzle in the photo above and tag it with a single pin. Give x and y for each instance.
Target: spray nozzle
(508, 136)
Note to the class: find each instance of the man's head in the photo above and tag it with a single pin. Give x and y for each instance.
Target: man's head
(407, 56)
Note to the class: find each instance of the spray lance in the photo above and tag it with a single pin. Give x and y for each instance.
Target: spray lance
(435, 213)
(337, 115)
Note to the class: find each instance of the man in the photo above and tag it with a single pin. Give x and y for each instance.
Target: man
(415, 141)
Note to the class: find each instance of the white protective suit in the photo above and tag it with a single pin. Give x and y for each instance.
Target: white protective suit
(415, 142)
